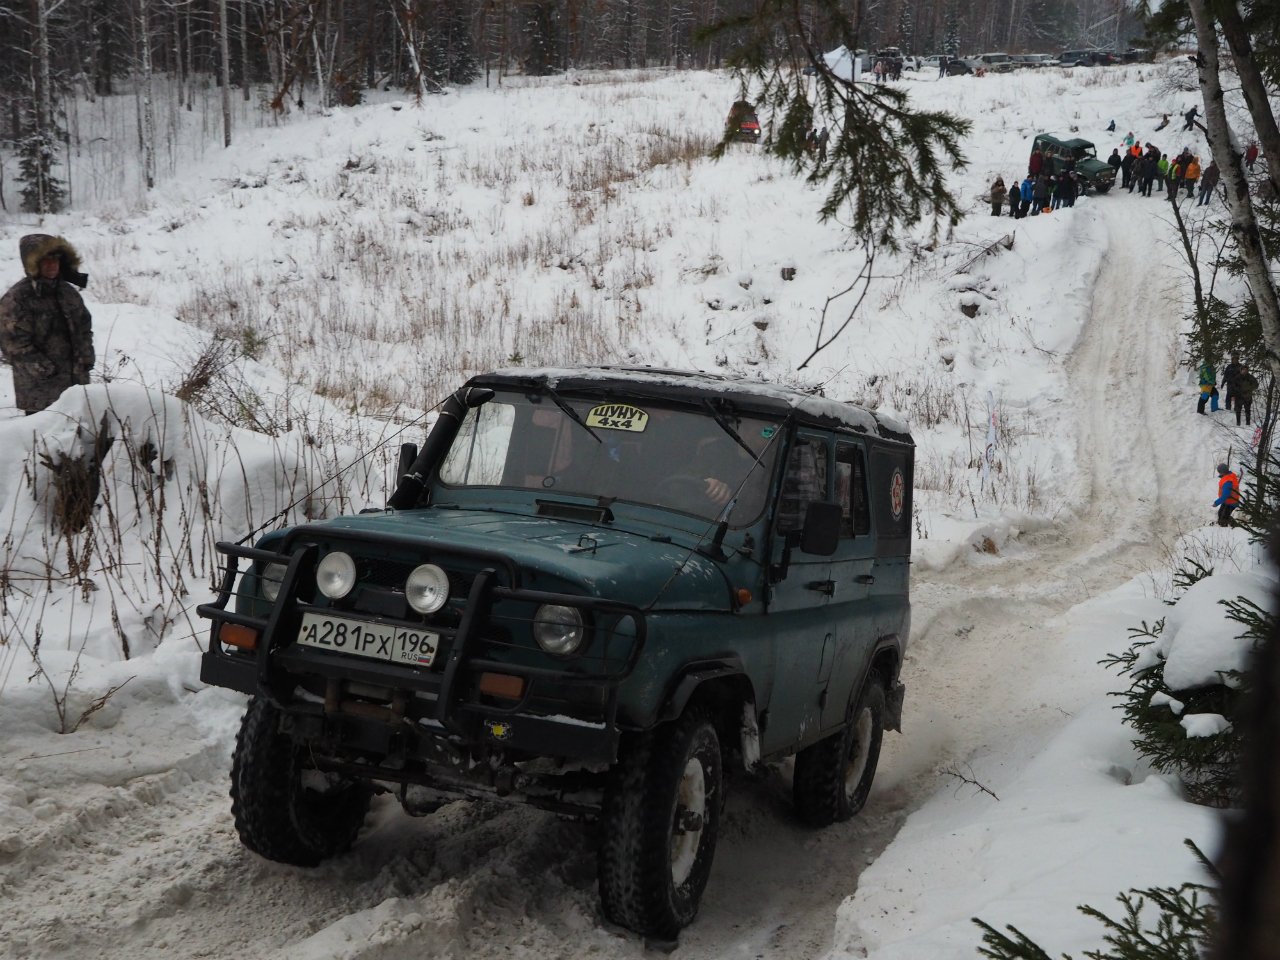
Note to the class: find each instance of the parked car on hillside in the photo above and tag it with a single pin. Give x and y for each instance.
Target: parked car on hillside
(1034, 60)
(1078, 155)
(743, 124)
(963, 66)
(592, 591)
(1087, 58)
(931, 62)
(997, 62)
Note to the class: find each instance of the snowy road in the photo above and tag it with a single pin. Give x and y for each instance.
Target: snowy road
(146, 864)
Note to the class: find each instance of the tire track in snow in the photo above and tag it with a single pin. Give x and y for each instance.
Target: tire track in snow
(160, 874)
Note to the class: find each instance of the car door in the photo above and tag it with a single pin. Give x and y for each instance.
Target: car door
(852, 568)
(802, 633)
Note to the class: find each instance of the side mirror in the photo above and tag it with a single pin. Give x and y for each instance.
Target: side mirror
(821, 532)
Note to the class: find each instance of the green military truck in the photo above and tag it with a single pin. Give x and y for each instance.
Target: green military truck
(1076, 154)
(596, 591)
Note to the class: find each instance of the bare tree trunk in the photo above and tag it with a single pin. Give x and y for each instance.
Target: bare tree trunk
(180, 66)
(1203, 323)
(244, 49)
(404, 19)
(1244, 224)
(43, 95)
(1251, 83)
(148, 102)
(190, 75)
(224, 47)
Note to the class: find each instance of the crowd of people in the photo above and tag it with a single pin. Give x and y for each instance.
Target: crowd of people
(1042, 190)
(1139, 166)
(1145, 168)
(1239, 385)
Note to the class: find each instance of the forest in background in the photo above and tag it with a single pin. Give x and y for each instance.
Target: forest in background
(285, 52)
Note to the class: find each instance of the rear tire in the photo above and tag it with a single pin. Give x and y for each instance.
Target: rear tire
(284, 808)
(659, 824)
(833, 776)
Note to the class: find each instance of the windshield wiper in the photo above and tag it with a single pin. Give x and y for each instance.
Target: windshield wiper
(568, 411)
(727, 427)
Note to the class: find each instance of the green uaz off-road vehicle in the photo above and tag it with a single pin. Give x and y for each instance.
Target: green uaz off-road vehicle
(594, 591)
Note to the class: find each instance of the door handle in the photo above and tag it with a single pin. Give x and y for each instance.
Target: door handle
(864, 578)
(822, 586)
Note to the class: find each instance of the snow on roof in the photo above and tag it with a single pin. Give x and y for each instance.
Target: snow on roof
(769, 396)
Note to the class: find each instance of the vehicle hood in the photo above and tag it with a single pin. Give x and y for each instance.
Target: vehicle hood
(1095, 168)
(566, 556)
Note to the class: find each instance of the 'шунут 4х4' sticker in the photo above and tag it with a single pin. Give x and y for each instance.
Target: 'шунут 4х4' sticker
(618, 416)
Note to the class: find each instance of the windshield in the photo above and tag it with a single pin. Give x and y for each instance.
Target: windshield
(629, 450)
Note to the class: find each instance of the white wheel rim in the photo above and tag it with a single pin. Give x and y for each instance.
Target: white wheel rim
(856, 764)
(691, 805)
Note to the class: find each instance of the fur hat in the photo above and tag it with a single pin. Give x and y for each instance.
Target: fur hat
(34, 247)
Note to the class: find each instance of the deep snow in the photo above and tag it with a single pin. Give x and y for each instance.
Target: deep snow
(119, 834)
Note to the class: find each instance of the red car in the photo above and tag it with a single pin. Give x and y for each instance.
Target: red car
(743, 124)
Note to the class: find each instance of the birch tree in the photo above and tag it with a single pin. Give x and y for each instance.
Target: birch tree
(1243, 222)
(43, 193)
(225, 49)
(146, 93)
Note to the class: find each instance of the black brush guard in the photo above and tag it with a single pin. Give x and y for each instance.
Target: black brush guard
(438, 703)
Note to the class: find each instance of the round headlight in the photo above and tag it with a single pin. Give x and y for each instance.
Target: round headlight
(427, 588)
(336, 575)
(269, 580)
(558, 629)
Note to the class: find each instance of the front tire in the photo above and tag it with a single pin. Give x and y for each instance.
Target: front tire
(833, 776)
(284, 808)
(659, 823)
(1101, 187)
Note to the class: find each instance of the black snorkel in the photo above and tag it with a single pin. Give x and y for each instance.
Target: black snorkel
(409, 490)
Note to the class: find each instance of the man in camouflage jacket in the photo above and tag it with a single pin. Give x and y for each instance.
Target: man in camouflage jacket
(45, 331)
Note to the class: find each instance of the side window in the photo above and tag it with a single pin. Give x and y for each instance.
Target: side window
(805, 480)
(851, 491)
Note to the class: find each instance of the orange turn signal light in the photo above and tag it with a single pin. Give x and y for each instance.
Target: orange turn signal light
(235, 635)
(744, 596)
(502, 685)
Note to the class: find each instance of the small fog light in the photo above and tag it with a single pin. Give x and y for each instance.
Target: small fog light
(336, 575)
(427, 588)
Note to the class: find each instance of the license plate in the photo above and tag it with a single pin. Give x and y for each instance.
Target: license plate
(379, 641)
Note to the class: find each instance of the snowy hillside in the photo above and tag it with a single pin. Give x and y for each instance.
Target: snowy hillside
(272, 324)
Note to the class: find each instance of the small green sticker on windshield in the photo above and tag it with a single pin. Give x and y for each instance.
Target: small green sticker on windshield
(768, 432)
(618, 416)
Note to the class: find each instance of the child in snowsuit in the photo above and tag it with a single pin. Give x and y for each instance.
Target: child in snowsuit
(1228, 495)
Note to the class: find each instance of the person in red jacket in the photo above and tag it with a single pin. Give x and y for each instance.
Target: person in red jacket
(1228, 495)
(1251, 155)
(1036, 163)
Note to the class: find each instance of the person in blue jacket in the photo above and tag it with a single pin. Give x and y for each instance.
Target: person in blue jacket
(1228, 495)
(1027, 190)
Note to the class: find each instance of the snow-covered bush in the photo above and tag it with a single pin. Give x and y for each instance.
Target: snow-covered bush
(1189, 680)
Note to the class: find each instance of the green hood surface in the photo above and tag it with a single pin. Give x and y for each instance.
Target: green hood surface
(572, 557)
